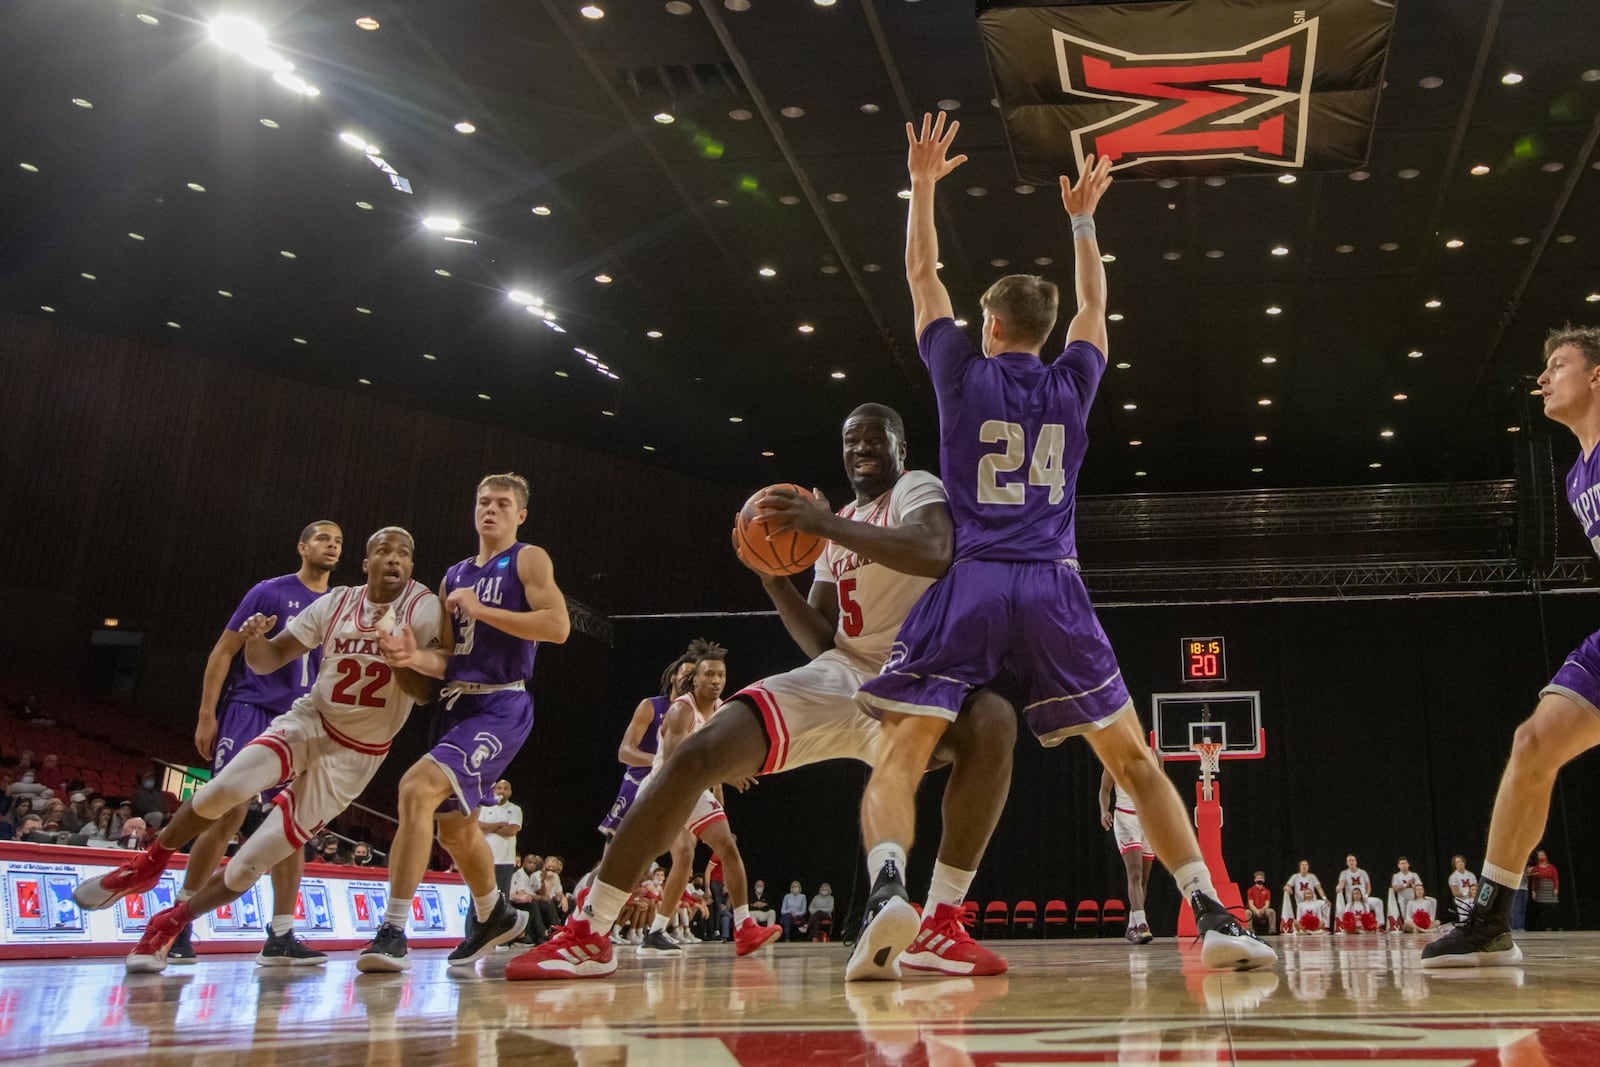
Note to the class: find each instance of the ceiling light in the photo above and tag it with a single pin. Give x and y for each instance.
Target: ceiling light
(465, 127)
(137, 236)
(363, 205)
(1434, 304)
(603, 279)
(769, 455)
(1590, 75)
(767, 272)
(483, 396)
(441, 272)
(1135, 443)
(562, 374)
(269, 124)
(1408, 173)
(1374, 466)
(949, 104)
(605, 411)
(1265, 402)
(296, 83)
(442, 223)
(81, 102)
(961, 322)
(679, 7)
(148, 20)
(1480, 170)
(1287, 179)
(364, 311)
(999, 263)
(224, 292)
(367, 22)
(666, 118)
(1389, 246)
(247, 40)
(869, 109)
(1400, 396)
(1215, 253)
(364, 381)
(837, 375)
(286, 254)
(1115, 316)
(1554, 166)
(541, 210)
(871, 268)
(1415, 353)
(1274, 310)
(1513, 429)
(1359, 175)
(1261, 437)
(735, 418)
(1510, 77)
(1593, 298)
(1344, 249)
(654, 335)
(31, 169)
(1138, 474)
(298, 340)
(354, 140)
(1130, 406)
(1167, 183)
(792, 112)
(1269, 360)
(1255, 470)
(555, 326)
(1566, 238)
(174, 325)
(652, 448)
(1280, 250)
(1431, 82)
(86, 275)
(1172, 257)
(829, 268)
(806, 327)
(1454, 242)
(1040, 261)
(1107, 257)
(904, 194)
(1216, 182)
(837, 198)
(372, 150)
(1124, 366)
(518, 296)
(592, 11)
(740, 114)
(46, 307)
(1023, 190)
(196, 186)
(1385, 433)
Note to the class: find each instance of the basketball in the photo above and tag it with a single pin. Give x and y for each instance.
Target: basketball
(787, 552)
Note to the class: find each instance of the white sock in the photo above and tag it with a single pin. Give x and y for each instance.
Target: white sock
(881, 856)
(1194, 875)
(660, 922)
(485, 904)
(604, 904)
(950, 885)
(397, 913)
(282, 924)
(741, 914)
(1136, 919)
(1502, 877)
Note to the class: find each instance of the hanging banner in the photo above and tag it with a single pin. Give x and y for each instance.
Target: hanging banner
(1188, 88)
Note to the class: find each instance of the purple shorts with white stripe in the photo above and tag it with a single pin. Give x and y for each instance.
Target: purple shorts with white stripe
(1579, 677)
(1029, 622)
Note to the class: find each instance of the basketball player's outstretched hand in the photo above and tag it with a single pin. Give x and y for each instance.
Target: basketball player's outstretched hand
(257, 625)
(398, 646)
(926, 159)
(784, 509)
(1080, 197)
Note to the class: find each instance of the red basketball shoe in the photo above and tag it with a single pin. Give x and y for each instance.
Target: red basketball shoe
(751, 935)
(573, 951)
(149, 956)
(139, 875)
(942, 945)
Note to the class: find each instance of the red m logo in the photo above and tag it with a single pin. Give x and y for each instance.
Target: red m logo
(1249, 103)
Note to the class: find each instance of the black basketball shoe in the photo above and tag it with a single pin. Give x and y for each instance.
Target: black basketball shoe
(1227, 944)
(1482, 941)
(888, 927)
(503, 925)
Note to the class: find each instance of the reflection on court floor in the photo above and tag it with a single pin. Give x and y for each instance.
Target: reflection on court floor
(1331, 1000)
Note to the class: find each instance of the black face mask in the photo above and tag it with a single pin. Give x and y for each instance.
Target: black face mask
(1260, 882)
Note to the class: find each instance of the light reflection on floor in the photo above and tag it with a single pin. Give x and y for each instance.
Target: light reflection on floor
(1360, 999)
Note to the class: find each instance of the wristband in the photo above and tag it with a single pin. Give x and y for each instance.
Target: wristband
(1082, 226)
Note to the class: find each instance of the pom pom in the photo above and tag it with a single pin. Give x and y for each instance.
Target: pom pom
(1347, 922)
(1310, 922)
(1421, 919)
(1369, 922)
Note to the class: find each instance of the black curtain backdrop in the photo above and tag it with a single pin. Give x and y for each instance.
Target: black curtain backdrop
(156, 487)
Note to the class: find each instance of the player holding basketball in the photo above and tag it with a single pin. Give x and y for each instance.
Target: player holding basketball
(254, 700)
(503, 602)
(1013, 602)
(1136, 854)
(323, 751)
(885, 548)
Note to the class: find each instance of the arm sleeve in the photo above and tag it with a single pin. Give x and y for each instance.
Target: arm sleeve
(311, 625)
(1085, 364)
(247, 607)
(947, 353)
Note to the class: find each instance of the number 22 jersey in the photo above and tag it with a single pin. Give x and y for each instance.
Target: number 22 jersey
(1012, 440)
(355, 691)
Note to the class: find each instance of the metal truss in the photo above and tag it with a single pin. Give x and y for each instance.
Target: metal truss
(1355, 509)
(1339, 577)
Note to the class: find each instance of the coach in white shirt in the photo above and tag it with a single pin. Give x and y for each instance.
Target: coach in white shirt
(500, 822)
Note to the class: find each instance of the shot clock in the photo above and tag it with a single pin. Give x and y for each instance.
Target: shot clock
(1205, 659)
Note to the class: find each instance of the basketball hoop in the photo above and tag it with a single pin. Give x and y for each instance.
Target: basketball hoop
(1210, 755)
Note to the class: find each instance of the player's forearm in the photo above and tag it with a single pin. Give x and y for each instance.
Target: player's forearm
(908, 549)
(922, 236)
(264, 657)
(549, 624)
(216, 674)
(810, 630)
(633, 755)
(418, 687)
(429, 662)
(1089, 273)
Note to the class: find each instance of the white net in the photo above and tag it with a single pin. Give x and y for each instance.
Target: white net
(1210, 754)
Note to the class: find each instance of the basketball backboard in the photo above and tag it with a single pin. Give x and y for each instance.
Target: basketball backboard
(1230, 719)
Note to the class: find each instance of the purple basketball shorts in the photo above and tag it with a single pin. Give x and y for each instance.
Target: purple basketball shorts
(478, 735)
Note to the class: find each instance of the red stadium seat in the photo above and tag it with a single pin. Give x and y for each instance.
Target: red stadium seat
(1025, 919)
(1055, 917)
(1086, 920)
(1113, 913)
(997, 916)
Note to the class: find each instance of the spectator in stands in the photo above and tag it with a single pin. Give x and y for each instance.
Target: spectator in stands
(21, 808)
(52, 813)
(50, 772)
(1544, 887)
(29, 825)
(131, 834)
(500, 822)
(329, 852)
(1258, 899)
(33, 710)
(25, 761)
(123, 813)
(821, 908)
(26, 783)
(523, 895)
(361, 855)
(78, 815)
(554, 890)
(792, 913)
(147, 797)
(760, 909)
(100, 828)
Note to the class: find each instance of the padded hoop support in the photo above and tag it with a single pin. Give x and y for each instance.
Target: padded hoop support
(1208, 828)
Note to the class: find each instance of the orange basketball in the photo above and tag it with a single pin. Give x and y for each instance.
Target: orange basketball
(787, 552)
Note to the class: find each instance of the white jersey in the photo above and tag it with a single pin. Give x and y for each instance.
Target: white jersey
(355, 691)
(1301, 884)
(873, 599)
(1348, 878)
(1463, 885)
(699, 721)
(1121, 801)
(1404, 885)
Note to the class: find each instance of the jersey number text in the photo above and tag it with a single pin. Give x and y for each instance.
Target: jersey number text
(1045, 470)
(350, 673)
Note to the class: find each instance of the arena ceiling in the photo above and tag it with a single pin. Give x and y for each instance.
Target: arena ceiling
(737, 269)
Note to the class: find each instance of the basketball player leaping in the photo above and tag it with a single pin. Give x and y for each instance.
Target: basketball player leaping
(503, 602)
(1011, 440)
(886, 547)
(323, 751)
(1567, 721)
(254, 700)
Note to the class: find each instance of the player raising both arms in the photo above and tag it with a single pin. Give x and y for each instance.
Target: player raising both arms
(1566, 722)
(886, 547)
(503, 602)
(254, 700)
(1012, 437)
(323, 751)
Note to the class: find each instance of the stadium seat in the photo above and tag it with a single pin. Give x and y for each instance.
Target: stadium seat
(997, 916)
(1025, 919)
(1055, 917)
(1113, 913)
(1086, 920)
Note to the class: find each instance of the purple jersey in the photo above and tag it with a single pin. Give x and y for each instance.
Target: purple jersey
(285, 596)
(650, 741)
(1012, 438)
(482, 653)
(1583, 493)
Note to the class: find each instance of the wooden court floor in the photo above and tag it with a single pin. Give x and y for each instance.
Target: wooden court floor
(1330, 1000)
